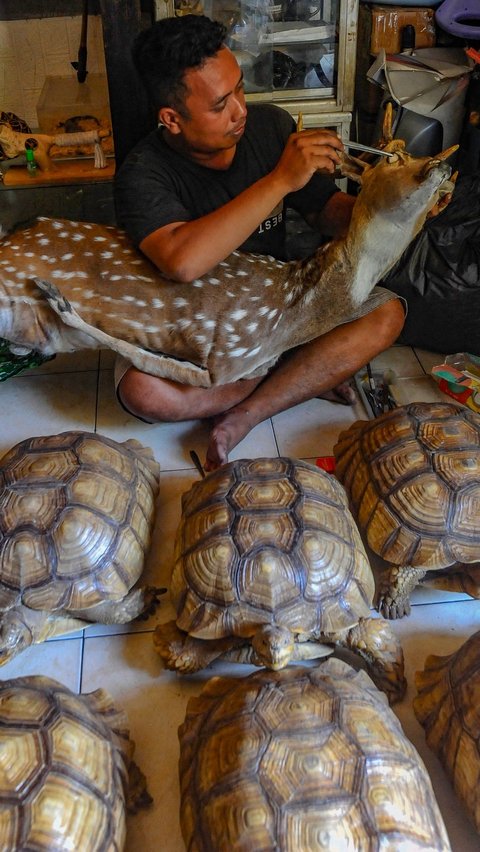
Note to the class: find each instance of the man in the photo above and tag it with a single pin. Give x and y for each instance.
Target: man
(216, 177)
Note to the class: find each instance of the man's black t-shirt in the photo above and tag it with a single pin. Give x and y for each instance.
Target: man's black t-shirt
(156, 185)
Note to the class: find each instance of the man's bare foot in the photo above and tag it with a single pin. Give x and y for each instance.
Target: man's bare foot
(227, 432)
(343, 393)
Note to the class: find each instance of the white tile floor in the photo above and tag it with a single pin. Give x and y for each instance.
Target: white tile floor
(75, 392)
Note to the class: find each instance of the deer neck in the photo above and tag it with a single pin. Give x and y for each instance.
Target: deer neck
(371, 248)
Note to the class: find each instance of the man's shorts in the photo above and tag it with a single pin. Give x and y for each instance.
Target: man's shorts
(379, 296)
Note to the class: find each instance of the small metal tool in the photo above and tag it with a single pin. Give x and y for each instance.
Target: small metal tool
(357, 146)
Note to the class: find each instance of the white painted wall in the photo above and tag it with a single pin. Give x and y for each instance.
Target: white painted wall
(31, 49)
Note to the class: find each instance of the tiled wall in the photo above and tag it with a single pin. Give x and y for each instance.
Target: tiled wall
(29, 50)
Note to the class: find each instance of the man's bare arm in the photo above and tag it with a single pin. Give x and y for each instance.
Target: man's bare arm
(186, 250)
(334, 219)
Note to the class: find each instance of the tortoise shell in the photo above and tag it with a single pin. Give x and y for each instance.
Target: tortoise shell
(64, 767)
(76, 511)
(268, 541)
(447, 705)
(302, 759)
(413, 478)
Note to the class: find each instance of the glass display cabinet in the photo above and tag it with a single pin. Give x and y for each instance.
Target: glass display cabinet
(297, 53)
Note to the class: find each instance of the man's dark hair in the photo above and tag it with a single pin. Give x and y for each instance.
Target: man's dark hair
(162, 54)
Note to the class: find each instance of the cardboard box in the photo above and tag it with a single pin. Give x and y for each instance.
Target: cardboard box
(388, 23)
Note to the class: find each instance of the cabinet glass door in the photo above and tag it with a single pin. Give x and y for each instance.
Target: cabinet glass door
(282, 48)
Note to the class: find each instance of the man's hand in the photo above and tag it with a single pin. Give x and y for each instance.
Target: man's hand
(308, 152)
(442, 202)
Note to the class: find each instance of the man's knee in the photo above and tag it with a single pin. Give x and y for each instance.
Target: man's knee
(389, 320)
(147, 397)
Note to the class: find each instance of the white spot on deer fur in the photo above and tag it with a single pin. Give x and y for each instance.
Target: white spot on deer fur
(228, 327)
(200, 338)
(253, 352)
(65, 276)
(229, 275)
(67, 256)
(11, 269)
(44, 241)
(179, 302)
(268, 282)
(100, 239)
(236, 353)
(199, 316)
(157, 303)
(210, 323)
(116, 277)
(239, 314)
(198, 283)
(289, 297)
(106, 254)
(233, 339)
(252, 326)
(184, 323)
(230, 294)
(88, 253)
(263, 310)
(224, 263)
(77, 237)
(215, 281)
(137, 262)
(57, 225)
(242, 272)
(273, 313)
(254, 298)
(141, 278)
(87, 226)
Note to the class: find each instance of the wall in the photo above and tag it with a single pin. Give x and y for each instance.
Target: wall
(31, 49)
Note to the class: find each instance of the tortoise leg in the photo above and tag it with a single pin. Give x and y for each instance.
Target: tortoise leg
(374, 640)
(186, 654)
(396, 585)
(139, 603)
(459, 578)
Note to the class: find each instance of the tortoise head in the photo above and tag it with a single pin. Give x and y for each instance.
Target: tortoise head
(273, 646)
(15, 636)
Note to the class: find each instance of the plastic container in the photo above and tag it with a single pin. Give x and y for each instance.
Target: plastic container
(64, 98)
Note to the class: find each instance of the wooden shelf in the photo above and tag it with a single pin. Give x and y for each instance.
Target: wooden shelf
(64, 172)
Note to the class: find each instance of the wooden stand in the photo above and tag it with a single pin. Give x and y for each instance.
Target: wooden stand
(63, 172)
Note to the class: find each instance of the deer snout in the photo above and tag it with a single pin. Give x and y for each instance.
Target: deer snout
(443, 169)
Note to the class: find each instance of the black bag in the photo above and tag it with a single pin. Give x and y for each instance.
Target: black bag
(439, 276)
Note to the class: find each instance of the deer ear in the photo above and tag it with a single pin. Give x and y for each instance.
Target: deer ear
(352, 167)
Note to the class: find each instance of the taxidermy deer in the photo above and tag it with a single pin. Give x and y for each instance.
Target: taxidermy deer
(67, 285)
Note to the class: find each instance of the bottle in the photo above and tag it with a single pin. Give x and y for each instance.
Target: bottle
(31, 164)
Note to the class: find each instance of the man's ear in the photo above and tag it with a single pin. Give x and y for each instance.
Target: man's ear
(352, 167)
(169, 118)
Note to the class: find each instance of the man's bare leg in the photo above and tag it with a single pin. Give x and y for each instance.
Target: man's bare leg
(161, 400)
(305, 373)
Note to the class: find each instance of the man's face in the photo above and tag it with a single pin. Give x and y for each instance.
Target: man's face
(216, 105)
